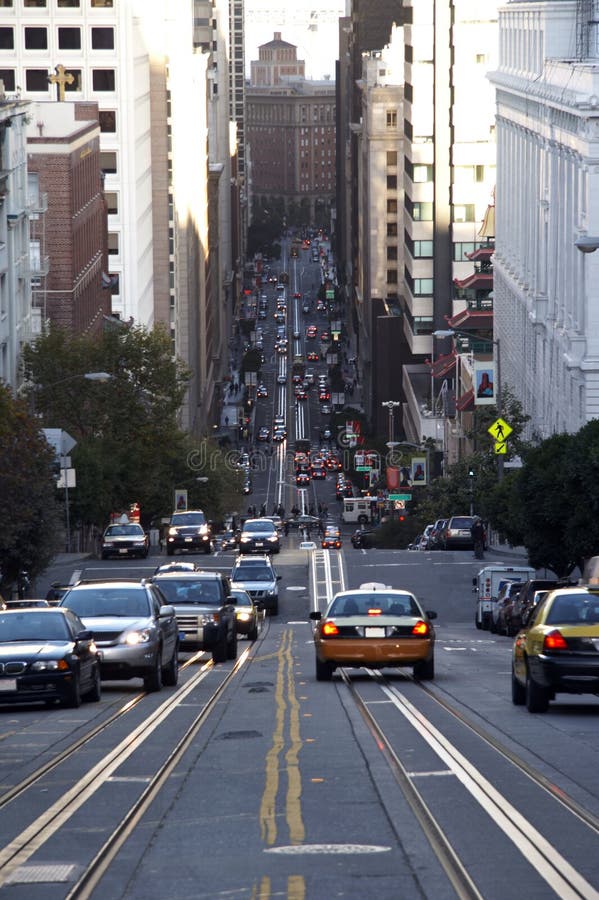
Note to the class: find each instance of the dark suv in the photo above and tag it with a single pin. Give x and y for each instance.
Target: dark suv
(188, 530)
(205, 610)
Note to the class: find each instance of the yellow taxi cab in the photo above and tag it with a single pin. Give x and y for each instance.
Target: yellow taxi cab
(374, 626)
(557, 651)
(246, 614)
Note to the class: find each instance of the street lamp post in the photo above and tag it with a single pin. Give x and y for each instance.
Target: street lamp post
(391, 405)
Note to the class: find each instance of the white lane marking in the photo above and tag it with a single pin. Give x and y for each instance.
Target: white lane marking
(540, 853)
(296, 587)
(301, 849)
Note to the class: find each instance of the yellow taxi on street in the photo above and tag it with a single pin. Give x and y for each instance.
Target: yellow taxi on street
(246, 614)
(374, 626)
(557, 651)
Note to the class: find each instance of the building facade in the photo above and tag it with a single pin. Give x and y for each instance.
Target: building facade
(546, 295)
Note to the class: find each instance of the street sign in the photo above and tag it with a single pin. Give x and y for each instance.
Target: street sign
(362, 468)
(405, 497)
(68, 479)
(500, 430)
(60, 440)
(399, 504)
(500, 447)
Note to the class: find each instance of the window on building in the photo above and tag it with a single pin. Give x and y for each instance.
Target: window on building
(422, 212)
(107, 120)
(8, 77)
(423, 250)
(391, 276)
(36, 38)
(5, 3)
(34, 3)
(101, 3)
(102, 38)
(422, 174)
(391, 229)
(463, 212)
(423, 287)
(36, 80)
(391, 182)
(392, 252)
(108, 162)
(392, 207)
(7, 39)
(112, 202)
(103, 80)
(461, 250)
(75, 87)
(479, 174)
(113, 243)
(68, 3)
(391, 118)
(69, 38)
(391, 158)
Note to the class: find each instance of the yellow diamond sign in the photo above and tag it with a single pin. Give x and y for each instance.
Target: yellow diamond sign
(500, 430)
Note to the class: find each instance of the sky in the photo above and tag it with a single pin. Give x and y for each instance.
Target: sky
(312, 25)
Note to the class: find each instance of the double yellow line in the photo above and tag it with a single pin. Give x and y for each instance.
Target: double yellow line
(287, 710)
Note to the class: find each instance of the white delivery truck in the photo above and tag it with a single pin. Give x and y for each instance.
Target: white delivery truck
(487, 584)
(356, 509)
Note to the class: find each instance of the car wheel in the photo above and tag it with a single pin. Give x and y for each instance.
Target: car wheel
(105, 556)
(492, 625)
(208, 549)
(518, 691)
(94, 695)
(73, 698)
(324, 670)
(425, 669)
(170, 551)
(253, 633)
(476, 622)
(153, 680)
(537, 697)
(274, 611)
(219, 651)
(170, 675)
(232, 647)
(363, 520)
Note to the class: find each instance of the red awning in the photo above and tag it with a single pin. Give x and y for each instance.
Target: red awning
(480, 281)
(466, 401)
(481, 254)
(443, 365)
(477, 319)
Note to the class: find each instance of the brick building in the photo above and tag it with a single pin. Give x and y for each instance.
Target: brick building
(68, 216)
(290, 130)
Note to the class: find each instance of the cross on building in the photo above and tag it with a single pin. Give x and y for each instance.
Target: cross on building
(61, 78)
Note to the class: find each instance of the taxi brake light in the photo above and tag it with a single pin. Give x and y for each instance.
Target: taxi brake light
(554, 641)
(329, 629)
(420, 628)
(373, 611)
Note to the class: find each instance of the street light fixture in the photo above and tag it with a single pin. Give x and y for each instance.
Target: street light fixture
(587, 243)
(391, 406)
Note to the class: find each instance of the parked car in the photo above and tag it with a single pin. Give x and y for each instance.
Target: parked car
(456, 534)
(425, 538)
(246, 614)
(124, 540)
(134, 629)
(434, 540)
(47, 655)
(259, 536)
(551, 653)
(522, 603)
(376, 627)
(259, 578)
(205, 611)
(188, 530)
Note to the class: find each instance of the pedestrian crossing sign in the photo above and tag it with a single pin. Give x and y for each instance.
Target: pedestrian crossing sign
(500, 430)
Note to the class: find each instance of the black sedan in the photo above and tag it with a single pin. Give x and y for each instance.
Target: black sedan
(47, 655)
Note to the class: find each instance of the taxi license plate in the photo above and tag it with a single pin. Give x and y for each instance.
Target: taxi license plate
(8, 684)
(374, 632)
(259, 544)
(122, 549)
(188, 540)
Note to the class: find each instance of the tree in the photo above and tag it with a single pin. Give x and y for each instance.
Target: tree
(30, 515)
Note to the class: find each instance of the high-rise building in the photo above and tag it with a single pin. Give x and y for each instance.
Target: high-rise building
(546, 291)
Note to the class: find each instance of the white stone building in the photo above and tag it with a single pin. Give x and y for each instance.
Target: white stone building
(546, 291)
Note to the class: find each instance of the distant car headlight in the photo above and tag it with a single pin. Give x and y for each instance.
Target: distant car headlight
(143, 636)
(271, 592)
(244, 616)
(50, 665)
(208, 618)
(245, 540)
(273, 538)
(173, 531)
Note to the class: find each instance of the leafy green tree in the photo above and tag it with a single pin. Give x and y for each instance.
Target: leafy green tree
(30, 516)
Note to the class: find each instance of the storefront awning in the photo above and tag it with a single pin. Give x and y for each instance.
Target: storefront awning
(466, 402)
(443, 365)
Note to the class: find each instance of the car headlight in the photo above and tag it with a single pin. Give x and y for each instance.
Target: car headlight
(173, 531)
(208, 618)
(142, 636)
(244, 616)
(140, 543)
(270, 592)
(50, 665)
(245, 540)
(273, 538)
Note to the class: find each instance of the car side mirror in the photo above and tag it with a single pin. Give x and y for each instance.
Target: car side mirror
(279, 577)
(165, 612)
(431, 613)
(84, 635)
(474, 582)
(232, 601)
(316, 616)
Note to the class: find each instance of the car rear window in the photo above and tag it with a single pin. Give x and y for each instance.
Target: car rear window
(389, 604)
(189, 591)
(252, 573)
(461, 522)
(196, 518)
(259, 527)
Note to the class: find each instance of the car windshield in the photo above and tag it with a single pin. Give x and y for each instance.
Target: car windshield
(196, 518)
(116, 530)
(573, 609)
(33, 627)
(206, 593)
(461, 522)
(389, 604)
(242, 597)
(97, 603)
(259, 527)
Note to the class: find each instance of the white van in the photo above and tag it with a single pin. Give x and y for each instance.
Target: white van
(487, 585)
(356, 509)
